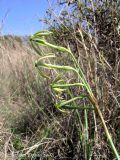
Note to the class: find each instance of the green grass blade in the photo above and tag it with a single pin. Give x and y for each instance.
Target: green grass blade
(66, 85)
(65, 102)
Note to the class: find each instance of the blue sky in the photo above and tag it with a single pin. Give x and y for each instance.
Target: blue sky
(23, 15)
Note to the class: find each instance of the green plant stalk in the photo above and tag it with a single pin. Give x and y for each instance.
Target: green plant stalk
(85, 140)
(65, 102)
(81, 76)
(86, 133)
(78, 108)
(66, 85)
(77, 113)
(86, 85)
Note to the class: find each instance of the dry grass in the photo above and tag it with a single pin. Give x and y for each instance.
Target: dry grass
(29, 121)
(16, 63)
(16, 71)
(26, 112)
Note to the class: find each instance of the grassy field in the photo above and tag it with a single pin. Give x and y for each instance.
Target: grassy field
(18, 81)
